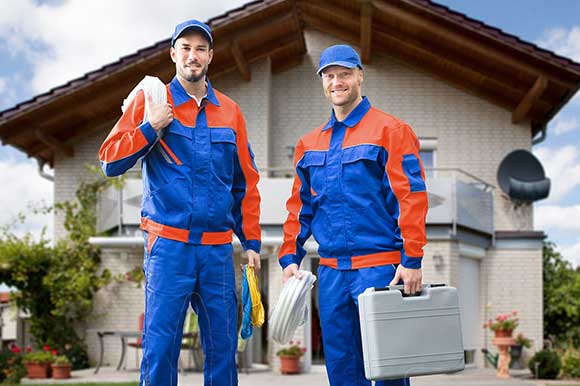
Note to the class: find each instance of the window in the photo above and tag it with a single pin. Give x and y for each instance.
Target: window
(427, 154)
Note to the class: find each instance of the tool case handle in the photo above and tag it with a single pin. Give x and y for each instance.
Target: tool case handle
(401, 288)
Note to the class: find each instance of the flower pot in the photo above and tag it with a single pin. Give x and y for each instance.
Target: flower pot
(503, 333)
(61, 371)
(289, 365)
(37, 369)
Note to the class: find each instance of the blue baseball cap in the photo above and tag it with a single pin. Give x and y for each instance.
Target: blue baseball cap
(339, 55)
(194, 25)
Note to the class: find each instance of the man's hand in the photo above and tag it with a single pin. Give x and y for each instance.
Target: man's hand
(412, 279)
(159, 116)
(253, 259)
(289, 271)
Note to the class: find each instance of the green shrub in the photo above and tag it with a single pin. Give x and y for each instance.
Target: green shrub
(38, 357)
(77, 354)
(571, 363)
(11, 367)
(548, 364)
(61, 360)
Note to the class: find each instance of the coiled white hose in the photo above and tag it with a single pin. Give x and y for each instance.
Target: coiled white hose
(291, 310)
(150, 85)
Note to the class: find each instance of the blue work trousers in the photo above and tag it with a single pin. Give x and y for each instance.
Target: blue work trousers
(339, 319)
(178, 274)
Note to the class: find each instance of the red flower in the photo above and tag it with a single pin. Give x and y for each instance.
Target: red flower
(54, 352)
(28, 349)
(291, 342)
(15, 349)
(46, 348)
(303, 349)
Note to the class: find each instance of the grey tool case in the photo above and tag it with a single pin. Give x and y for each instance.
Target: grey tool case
(412, 335)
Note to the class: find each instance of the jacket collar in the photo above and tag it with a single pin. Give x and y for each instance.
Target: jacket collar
(353, 118)
(180, 96)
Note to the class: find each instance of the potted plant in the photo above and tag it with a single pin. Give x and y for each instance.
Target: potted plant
(290, 358)
(61, 367)
(516, 350)
(503, 325)
(37, 363)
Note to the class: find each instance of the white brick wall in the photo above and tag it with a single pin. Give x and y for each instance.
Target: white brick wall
(116, 307)
(512, 284)
(254, 100)
(69, 172)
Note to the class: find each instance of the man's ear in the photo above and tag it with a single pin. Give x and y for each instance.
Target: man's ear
(173, 54)
(360, 76)
(210, 53)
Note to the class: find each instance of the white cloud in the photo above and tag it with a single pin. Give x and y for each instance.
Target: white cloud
(562, 166)
(565, 125)
(22, 188)
(551, 217)
(65, 41)
(8, 96)
(571, 253)
(563, 41)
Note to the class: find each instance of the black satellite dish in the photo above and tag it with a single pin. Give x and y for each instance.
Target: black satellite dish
(521, 176)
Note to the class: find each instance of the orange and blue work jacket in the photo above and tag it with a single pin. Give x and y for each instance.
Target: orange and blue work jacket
(199, 176)
(360, 190)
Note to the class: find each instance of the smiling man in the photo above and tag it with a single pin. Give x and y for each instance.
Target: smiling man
(199, 186)
(360, 190)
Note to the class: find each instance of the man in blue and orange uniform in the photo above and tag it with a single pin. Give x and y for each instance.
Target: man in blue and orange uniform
(360, 190)
(199, 187)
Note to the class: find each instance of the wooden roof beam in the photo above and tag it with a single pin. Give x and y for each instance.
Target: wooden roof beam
(464, 43)
(366, 28)
(270, 49)
(528, 101)
(460, 76)
(240, 60)
(54, 143)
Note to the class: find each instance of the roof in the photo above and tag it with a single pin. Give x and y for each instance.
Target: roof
(531, 82)
(4, 297)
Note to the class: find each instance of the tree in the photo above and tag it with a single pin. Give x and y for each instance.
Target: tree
(561, 298)
(56, 284)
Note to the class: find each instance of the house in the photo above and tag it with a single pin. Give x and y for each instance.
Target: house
(472, 93)
(14, 326)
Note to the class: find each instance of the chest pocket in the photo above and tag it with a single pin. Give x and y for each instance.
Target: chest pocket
(363, 168)
(223, 149)
(313, 165)
(175, 145)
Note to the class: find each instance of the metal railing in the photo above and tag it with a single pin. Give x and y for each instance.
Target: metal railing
(456, 198)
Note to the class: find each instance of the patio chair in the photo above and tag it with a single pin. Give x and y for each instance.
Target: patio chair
(191, 342)
(137, 344)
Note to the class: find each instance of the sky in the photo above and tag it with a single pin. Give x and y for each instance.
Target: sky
(45, 43)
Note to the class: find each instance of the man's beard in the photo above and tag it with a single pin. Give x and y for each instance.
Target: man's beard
(194, 78)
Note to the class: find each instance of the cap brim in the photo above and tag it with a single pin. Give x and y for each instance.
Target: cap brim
(337, 63)
(197, 28)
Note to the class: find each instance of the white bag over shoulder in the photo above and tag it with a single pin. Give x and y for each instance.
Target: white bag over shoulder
(151, 85)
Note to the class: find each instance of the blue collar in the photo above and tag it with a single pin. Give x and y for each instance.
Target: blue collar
(353, 118)
(180, 96)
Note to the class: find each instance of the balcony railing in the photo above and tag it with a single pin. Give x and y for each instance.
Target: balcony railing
(456, 198)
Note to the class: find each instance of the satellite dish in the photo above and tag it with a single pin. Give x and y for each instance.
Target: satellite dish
(521, 176)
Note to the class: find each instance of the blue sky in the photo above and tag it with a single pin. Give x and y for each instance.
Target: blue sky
(46, 43)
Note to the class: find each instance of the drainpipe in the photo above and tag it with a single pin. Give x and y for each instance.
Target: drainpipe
(542, 136)
(41, 171)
